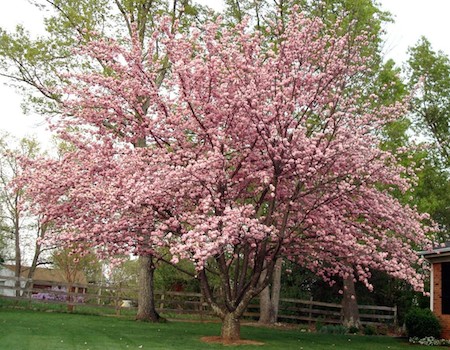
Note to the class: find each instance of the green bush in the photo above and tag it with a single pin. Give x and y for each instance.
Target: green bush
(369, 330)
(422, 323)
(333, 329)
(353, 330)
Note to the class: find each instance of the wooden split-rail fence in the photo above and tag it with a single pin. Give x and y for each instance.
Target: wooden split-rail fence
(120, 299)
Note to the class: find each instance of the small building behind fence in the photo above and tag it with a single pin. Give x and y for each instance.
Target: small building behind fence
(44, 280)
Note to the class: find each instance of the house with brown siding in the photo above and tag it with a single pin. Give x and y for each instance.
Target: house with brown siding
(440, 285)
(43, 279)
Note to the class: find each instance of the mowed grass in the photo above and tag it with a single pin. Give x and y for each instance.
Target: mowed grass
(28, 330)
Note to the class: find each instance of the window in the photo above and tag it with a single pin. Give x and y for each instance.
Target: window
(445, 280)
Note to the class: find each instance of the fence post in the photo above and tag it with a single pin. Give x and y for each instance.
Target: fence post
(118, 299)
(395, 315)
(29, 287)
(70, 305)
(201, 307)
(161, 304)
(310, 311)
(99, 294)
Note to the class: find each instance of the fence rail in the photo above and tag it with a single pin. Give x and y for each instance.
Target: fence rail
(120, 298)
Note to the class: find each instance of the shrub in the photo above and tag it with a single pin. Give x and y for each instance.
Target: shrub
(331, 329)
(422, 323)
(319, 324)
(369, 330)
(382, 330)
(353, 330)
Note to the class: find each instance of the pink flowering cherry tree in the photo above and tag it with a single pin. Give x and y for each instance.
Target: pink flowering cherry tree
(250, 150)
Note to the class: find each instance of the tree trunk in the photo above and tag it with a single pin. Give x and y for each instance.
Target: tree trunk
(29, 282)
(269, 302)
(265, 307)
(276, 289)
(146, 299)
(69, 297)
(34, 263)
(18, 257)
(350, 310)
(231, 328)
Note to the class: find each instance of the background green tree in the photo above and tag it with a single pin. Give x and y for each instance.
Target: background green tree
(431, 103)
(20, 230)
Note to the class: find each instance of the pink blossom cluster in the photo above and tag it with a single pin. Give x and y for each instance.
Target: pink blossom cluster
(249, 149)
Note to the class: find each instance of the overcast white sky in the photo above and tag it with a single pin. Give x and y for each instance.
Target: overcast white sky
(413, 18)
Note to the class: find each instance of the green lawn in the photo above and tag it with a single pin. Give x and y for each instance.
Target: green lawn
(28, 330)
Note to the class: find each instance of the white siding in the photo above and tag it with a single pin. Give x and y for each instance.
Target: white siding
(5, 272)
